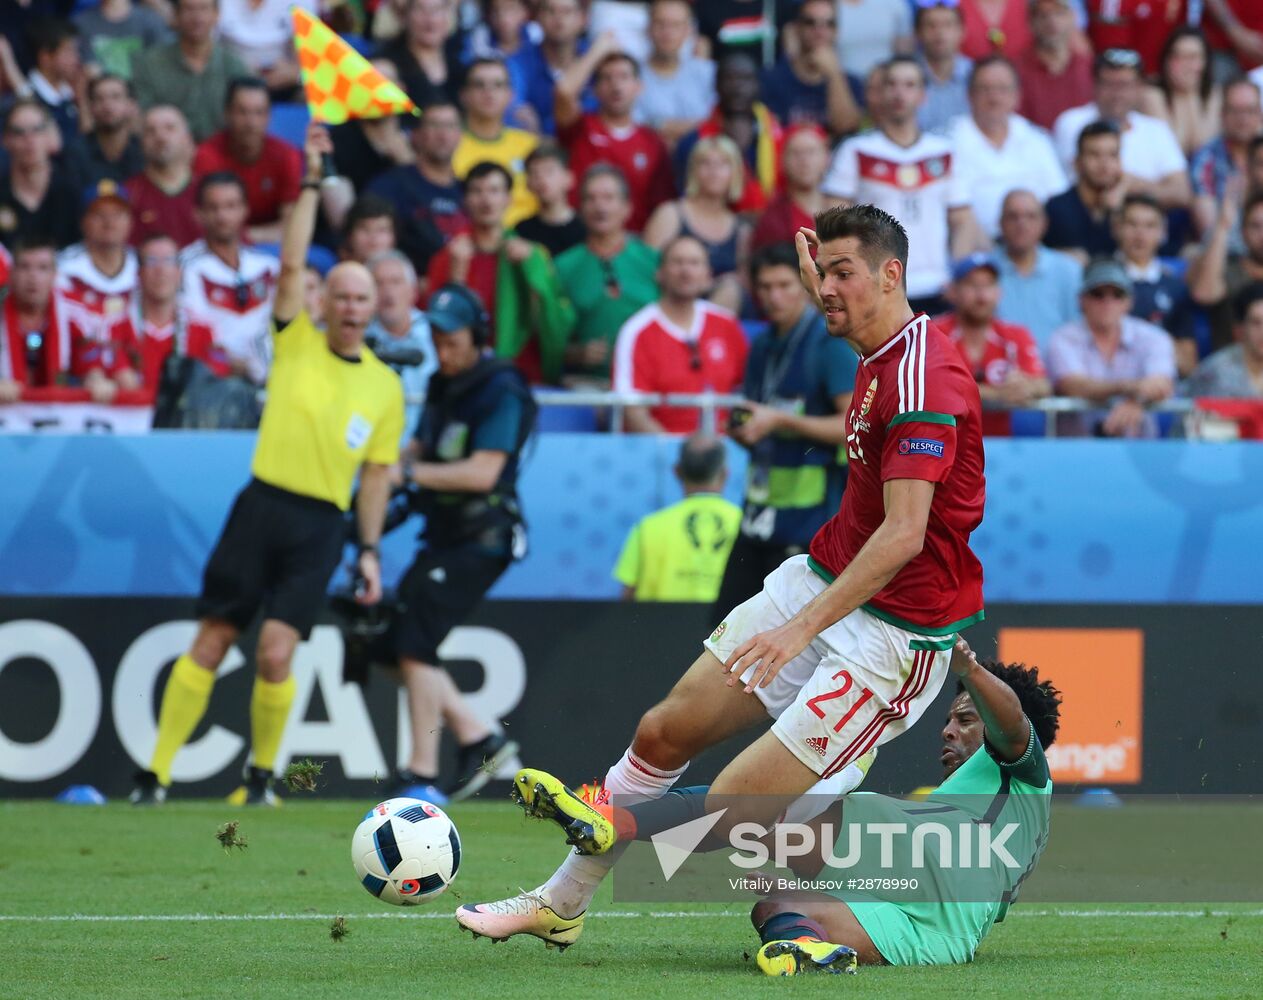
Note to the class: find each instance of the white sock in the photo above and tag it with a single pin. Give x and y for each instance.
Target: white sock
(569, 892)
(826, 791)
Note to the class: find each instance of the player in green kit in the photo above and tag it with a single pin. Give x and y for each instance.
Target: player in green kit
(999, 724)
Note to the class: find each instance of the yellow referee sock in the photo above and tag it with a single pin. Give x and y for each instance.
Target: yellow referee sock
(269, 710)
(184, 702)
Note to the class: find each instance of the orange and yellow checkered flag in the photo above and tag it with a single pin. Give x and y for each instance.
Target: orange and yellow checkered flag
(340, 83)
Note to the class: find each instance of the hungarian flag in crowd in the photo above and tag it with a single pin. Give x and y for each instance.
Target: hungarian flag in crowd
(340, 83)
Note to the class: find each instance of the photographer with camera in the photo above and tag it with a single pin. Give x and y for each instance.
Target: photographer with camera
(463, 463)
(798, 385)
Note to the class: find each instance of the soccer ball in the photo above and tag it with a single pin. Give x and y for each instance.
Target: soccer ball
(405, 851)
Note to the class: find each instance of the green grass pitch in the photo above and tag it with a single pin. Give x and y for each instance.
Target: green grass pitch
(263, 914)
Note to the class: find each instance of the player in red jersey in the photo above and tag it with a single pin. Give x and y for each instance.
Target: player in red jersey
(846, 647)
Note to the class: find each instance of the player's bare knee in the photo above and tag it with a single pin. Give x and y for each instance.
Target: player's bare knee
(211, 644)
(764, 910)
(274, 655)
(661, 739)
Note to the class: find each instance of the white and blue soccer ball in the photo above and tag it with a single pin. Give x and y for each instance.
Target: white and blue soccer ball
(406, 851)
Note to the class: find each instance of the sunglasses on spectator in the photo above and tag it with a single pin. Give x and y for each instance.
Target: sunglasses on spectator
(1107, 292)
(695, 355)
(1120, 58)
(19, 132)
(163, 258)
(612, 287)
(931, 4)
(243, 295)
(817, 22)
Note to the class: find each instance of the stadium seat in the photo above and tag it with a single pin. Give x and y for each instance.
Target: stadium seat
(752, 328)
(566, 419)
(289, 123)
(321, 258)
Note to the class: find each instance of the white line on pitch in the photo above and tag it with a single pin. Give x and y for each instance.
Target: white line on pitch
(408, 915)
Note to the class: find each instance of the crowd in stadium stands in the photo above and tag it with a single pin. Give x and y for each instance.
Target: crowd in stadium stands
(1081, 182)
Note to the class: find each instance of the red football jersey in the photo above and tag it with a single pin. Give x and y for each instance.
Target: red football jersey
(638, 152)
(915, 414)
(156, 211)
(1008, 346)
(652, 354)
(273, 180)
(156, 342)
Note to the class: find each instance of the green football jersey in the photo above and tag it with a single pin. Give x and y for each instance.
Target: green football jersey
(963, 887)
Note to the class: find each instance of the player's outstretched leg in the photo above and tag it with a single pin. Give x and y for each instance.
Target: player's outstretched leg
(544, 797)
(794, 944)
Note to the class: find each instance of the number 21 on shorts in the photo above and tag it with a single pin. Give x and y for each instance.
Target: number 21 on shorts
(847, 681)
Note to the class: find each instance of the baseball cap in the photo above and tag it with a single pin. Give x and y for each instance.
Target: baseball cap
(454, 307)
(967, 265)
(1105, 273)
(104, 190)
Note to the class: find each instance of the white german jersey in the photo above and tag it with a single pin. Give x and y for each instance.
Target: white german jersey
(916, 184)
(92, 300)
(235, 302)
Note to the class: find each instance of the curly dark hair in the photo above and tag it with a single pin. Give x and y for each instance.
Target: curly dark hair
(1041, 702)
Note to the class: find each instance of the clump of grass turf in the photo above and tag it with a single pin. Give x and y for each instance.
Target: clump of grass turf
(301, 775)
(228, 838)
(338, 929)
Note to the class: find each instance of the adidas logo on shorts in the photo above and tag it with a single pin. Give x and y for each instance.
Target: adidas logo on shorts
(818, 743)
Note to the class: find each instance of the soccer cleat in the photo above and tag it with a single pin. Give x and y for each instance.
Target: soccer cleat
(257, 789)
(478, 763)
(148, 791)
(525, 913)
(544, 797)
(792, 958)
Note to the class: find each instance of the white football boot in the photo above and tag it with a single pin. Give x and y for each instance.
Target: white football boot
(525, 913)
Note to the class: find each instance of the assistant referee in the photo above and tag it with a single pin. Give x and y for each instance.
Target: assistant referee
(333, 410)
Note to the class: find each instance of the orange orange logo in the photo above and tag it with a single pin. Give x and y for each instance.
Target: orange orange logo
(1100, 673)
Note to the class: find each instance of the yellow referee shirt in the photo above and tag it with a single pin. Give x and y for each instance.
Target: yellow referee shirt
(509, 149)
(679, 553)
(325, 416)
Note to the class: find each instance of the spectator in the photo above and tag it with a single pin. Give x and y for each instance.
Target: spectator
(1111, 358)
(609, 135)
(564, 24)
(678, 88)
(1236, 27)
(34, 192)
(1159, 295)
(270, 168)
(1079, 219)
(1140, 27)
(1039, 287)
(228, 283)
(111, 150)
(798, 384)
(160, 323)
(939, 30)
(1227, 155)
(163, 195)
(997, 149)
(97, 278)
(681, 343)
(426, 51)
(678, 553)
(556, 226)
(426, 196)
(1186, 96)
(365, 148)
(908, 173)
(995, 28)
(192, 72)
(484, 96)
(807, 85)
(367, 231)
(713, 182)
(57, 74)
(112, 34)
(313, 291)
(505, 29)
(531, 317)
(1003, 356)
(1151, 156)
(1236, 371)
(804, 161)
(610, 275)
(1053, 74)
(261, 34)
(1216, 275)
(400, 332)
(30, 341)
(746, 121)
(870, 32)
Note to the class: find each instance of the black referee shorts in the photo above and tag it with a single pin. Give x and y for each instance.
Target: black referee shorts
(438, 592)
(277, 552)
